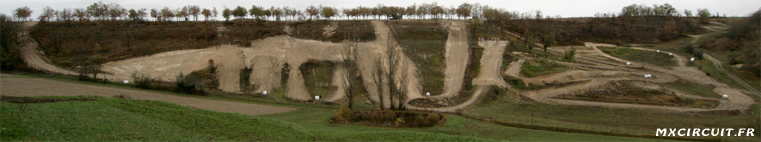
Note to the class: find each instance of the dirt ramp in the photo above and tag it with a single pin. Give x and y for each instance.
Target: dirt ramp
(229, 63)
(265, 72)
(490, 62)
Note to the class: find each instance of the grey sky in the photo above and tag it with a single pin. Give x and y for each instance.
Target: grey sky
(564, 8)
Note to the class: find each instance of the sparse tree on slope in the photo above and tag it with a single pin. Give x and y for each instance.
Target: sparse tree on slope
(22, 13)
(226, 14)
(206, 14)
(195, 11)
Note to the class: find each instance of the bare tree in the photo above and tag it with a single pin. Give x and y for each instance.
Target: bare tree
(395, 76)
(350, 67)
(47, 14)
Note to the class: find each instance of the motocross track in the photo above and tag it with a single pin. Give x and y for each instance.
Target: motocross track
(593, 78)
(269, 56)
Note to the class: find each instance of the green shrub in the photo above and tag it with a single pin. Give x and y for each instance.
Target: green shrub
(64, 63)
(189, 84)
(141, 81)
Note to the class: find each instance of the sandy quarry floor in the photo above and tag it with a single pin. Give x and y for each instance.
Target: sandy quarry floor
(12, 86)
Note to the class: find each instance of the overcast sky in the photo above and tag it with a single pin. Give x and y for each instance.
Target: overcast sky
(564, 8)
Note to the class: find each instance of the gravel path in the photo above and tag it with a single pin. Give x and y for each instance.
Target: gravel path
(12, 86)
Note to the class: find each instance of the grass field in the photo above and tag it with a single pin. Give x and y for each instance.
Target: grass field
(650, 57)
(509, 107)
(423, 43)
(124, 119)
(534, 68)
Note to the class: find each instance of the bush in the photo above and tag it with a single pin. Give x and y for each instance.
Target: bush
(142, 81)
(10, 58)
(188, 84)
(569, 55)
(343, 115)
(386, 118)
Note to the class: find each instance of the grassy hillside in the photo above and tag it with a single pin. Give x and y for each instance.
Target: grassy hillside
(509, 107)
(423, 41)
(73, 44)
(111, 119)
(645, 29)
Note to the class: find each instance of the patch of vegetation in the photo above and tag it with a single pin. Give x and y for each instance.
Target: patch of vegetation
(622, 92)
(534, 68)
(692, 88)
(387, 118)
(75, 42)
(650, 57)
(423, 43)
(10, 55)
(318, 76)
(360, 30)
(575, 31)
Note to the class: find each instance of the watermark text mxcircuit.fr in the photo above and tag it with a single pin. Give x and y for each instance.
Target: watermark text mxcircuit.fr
(696, 132)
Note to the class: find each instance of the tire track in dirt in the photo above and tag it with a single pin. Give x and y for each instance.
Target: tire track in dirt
(31, 53)
(29, 87)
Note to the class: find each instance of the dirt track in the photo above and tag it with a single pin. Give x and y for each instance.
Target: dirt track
(491, 61)
(32, 56)
(12, 86)
(736, 100)
(267, 57)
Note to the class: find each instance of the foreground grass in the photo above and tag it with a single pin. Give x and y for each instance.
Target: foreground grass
(123, 119)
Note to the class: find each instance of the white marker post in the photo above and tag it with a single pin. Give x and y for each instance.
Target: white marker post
(659, 51)
(692, 59)
(724, 96)
(628, 63)
(427, 93)
(317, 98)
(671, 54)
(264, 93)
(126, 82)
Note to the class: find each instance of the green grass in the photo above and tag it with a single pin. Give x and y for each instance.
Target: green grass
(650, 57)
(691, 88)
(110, 119)
(318, 77)
(423, 43)
(509, 107)
(541, 67)
(314, 120)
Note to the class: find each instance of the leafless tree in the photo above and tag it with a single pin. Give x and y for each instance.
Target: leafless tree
(350, 66)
